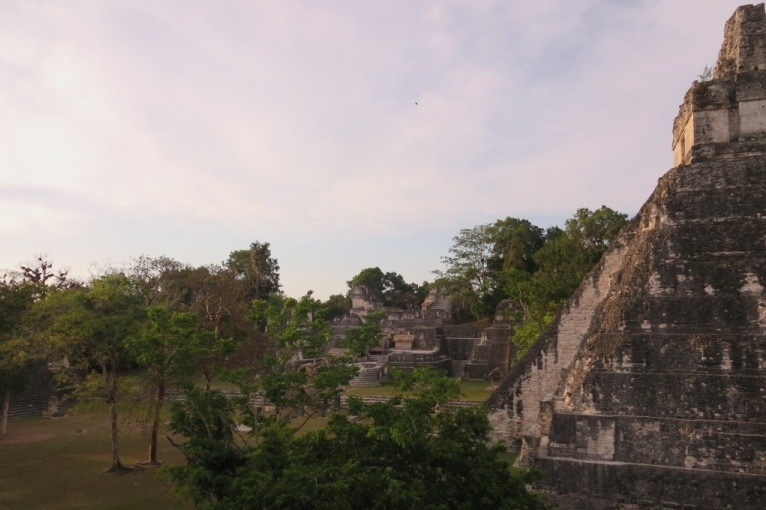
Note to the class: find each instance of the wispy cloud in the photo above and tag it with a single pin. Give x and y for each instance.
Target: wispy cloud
(354, 120)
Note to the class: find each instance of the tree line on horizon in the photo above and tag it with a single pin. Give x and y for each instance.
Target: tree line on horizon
(182, 326)
(509, 259)
(537, 269)
(126, 337)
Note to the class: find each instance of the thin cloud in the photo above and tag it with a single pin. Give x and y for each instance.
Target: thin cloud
(348, 121)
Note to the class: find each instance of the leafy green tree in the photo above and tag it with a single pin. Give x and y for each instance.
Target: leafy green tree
(90, 327)
(221, 304)
(422, 292)
(18, 350)
(412, 451)
(561, 264)
(469, 278)
(16, 299)
(297, 328)
(564, 261)
(390, 287)
(370, 277)
(208, 421)
(257, 268)
(214, 294)
(166, 348)
(514, 243)
(595, 230)
(156, 279)
(337, 305)
(514, 258)
(359, 339)
(298, 375)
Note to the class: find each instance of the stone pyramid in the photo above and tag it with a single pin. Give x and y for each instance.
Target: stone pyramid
(650, 388)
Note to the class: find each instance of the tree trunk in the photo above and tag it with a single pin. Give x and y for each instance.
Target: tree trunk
(116, 464)
(110, 385)
(6, 409)
(208, 376)
(156, 420)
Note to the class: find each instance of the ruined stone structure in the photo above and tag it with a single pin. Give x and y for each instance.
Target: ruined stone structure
(39, 397)
(426, 337)
(364, 301)
(726, 116)
(650, 388)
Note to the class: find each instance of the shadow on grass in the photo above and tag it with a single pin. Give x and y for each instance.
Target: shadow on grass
(63, 462)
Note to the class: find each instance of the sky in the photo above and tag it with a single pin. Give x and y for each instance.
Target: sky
(347, 134)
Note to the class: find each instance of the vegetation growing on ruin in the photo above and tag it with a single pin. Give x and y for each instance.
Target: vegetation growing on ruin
(390, 287)
(411, 451)
(179, 325)
(537, 269)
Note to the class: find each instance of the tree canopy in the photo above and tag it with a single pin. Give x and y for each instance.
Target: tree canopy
(257, 268)
(390, 287)
(538, 269)
(16, 299)
(359, 339)
(90, 327)
(412, 451)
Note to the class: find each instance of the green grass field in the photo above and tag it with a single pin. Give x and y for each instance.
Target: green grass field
(475, 391)
(60, 463)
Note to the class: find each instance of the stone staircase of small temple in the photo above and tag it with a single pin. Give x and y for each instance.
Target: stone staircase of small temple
(370, 374)
(458, 367)
(441, 303)
(379, 358)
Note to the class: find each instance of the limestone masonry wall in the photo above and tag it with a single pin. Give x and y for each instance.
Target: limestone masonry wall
(731, 107)
(531, 386)
(650, 389)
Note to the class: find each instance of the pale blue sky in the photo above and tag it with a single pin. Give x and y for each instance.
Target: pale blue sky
(346, 134)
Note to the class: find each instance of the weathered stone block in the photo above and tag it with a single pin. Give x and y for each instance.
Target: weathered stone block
(650, 387)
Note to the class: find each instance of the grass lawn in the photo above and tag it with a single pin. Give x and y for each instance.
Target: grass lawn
(60, 463)
(475, 391)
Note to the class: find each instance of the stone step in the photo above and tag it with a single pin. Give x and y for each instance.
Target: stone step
(369, 375)
(379, 358)
(458, 367)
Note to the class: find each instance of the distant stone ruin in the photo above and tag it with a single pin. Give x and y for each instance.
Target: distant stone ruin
(427, 337)
(650, 388)
(39, 397)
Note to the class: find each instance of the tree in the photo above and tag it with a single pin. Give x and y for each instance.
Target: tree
(358, 340)
(212, 293)
(412, 451)
(208, 419)
(41, 273)
(561, 264)
(166, 348)
(90, 328)
(219, 299)
(390, 287)
(468, 277)
(514, 243)
(370, 277)
(156, 279)
(595, 230)
(257, 268)
(18, 294)
(298, 375)
(297, 328)
(16, 299)
(337, 305)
